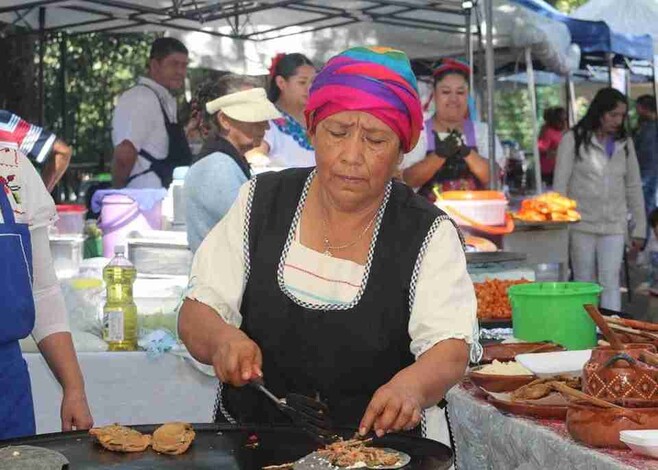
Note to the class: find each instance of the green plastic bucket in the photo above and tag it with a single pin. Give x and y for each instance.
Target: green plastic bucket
(553, 311)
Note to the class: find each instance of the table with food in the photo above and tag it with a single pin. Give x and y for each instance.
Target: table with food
(554, 393)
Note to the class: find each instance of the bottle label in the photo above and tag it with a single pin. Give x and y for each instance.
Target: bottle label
(114, 325)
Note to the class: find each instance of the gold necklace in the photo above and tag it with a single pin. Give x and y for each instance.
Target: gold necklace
(328, 248)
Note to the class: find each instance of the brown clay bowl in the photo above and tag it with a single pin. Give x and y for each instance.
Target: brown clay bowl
(498, 383)
(506, 352)
(600, 427)
(529, 409)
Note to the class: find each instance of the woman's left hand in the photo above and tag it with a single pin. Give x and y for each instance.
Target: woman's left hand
(75, 411)
(395, 406)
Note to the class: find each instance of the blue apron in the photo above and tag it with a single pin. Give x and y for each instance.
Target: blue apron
(16, 322)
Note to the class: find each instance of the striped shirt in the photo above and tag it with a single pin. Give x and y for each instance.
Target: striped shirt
(18, 134)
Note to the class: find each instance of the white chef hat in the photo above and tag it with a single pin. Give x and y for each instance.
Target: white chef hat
(247, 106)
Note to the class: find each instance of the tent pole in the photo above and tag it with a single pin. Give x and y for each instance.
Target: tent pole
(654, 64)
(571, 101)
(42, 53)
(491, 83)
(469, 45)
(532, 93)
(610, 59)
(63, 58)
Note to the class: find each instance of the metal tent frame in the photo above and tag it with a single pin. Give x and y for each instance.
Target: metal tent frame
(198, 15)
(84, 16)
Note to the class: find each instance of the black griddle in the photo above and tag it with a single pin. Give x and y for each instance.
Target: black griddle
(219, 446)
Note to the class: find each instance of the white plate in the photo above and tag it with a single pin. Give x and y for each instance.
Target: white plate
(555, 363)
(641, 441)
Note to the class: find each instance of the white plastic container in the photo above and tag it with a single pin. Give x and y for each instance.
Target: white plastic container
(70, 219)
(641, 441)
(481, 207)
(555, 363)
(67, 252)
(482, 212)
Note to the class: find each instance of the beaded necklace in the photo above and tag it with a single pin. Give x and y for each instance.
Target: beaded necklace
(289, 126)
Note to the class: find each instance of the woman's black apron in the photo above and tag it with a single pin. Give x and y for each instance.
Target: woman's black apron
(341, 356)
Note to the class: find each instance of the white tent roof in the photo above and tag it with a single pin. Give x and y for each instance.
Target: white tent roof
(623, 16)
(242, 36)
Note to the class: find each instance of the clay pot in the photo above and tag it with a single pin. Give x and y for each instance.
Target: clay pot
(499, 383)
(600, 427)
(614, 375)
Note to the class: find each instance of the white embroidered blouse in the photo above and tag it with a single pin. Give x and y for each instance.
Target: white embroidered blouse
(443, 307)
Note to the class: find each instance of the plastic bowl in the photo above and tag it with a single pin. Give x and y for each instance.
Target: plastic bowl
(553, 311)
(641, 441)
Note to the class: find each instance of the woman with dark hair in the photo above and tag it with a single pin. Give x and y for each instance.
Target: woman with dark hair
(286, 143)
(235, 117)
(550, 136)
(597, 166)
(457, 147)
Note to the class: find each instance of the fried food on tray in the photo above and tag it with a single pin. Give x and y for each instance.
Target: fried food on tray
(119, 438)
(173, 438)
(548, 207)
(354, 451)
(493, 302)
(541, 388)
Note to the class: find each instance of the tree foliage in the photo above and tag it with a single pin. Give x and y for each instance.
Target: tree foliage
(80, 97)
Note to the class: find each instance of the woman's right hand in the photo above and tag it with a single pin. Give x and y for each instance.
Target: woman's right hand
(237, 359)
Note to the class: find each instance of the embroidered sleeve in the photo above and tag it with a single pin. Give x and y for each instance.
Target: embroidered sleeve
(443, 304)
(219, 270)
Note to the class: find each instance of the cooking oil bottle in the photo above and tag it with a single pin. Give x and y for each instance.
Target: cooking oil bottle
(120, 311)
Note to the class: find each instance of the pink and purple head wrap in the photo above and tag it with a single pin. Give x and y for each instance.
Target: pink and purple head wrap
(376, 80)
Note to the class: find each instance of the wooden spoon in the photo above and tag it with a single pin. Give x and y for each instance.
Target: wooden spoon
(612, 338)
(649, 357)
(564, 388)
(627, 329)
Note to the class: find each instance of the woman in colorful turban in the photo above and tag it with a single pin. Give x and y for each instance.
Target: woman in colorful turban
(337, 283)
(456, 145)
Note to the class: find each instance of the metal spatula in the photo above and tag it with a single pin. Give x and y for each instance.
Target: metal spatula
(311, 415)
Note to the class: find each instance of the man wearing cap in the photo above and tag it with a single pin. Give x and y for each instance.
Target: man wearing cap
(236, 114)
(148, 140)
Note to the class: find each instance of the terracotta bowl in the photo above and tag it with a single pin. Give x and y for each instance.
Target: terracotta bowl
(613, 375)
(506, 352)
(600, 427)
(498, 383)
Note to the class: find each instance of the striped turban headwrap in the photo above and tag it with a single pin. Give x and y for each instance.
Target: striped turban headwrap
(375, 80)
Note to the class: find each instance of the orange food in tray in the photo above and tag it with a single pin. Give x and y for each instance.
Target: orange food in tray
(493, 302)
(549, 207)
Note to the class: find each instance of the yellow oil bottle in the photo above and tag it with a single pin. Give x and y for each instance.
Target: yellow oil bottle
(120, 311)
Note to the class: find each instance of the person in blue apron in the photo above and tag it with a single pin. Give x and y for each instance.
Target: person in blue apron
(33, 303)
(338, 282)
(149, 141)
(456, 156)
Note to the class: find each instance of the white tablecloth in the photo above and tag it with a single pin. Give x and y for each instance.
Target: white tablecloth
(128, 388)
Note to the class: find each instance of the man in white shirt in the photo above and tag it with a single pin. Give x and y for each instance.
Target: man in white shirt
(148, 140)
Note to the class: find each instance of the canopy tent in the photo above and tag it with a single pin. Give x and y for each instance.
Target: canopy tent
(624, 16)
(596, 38)
(242, 36)
(319, 28)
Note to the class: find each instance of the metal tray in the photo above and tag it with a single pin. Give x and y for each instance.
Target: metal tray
(219, 446)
